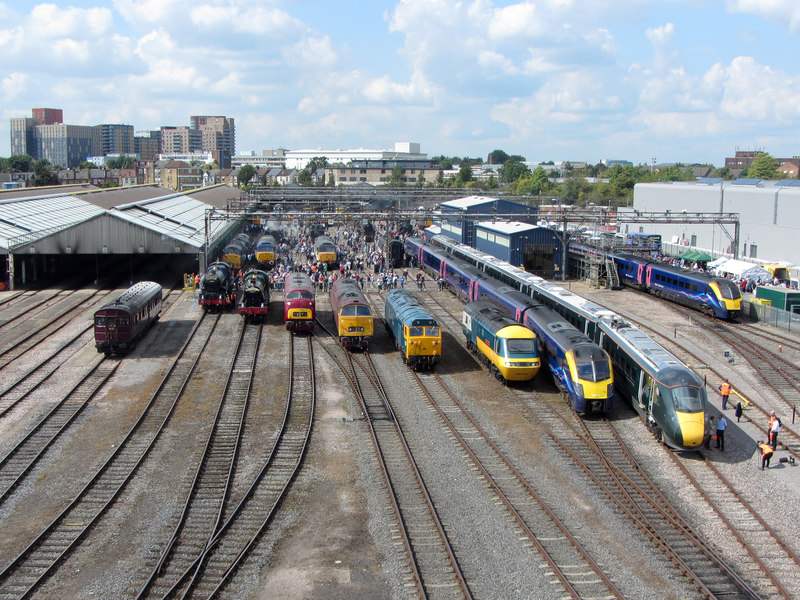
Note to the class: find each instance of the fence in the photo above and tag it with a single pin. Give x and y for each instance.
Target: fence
(770, 315)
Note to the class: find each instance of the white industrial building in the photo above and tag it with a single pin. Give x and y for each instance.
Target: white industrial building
(298, 159)
(769, 216)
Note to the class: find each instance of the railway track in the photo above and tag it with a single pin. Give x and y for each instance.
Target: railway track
(30, 303)
(563, 554)
(434, 570)
(202, 509)
(24, 573)
(216, 567)
(763, 556)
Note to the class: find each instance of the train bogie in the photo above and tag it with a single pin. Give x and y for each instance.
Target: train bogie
(299, 305)
(506, 347)
(351, 314)
(416, 332)
(254, 300)
(120, 324)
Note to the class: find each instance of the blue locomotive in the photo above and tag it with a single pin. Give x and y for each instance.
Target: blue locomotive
(505, 346)
(667, 393)
(416, 332)
(578, 365)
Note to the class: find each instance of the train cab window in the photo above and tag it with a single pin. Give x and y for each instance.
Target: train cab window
(363, 311)
(432, 331)
(300, 295)
(416, 331)
(519, 346)
(100, 321)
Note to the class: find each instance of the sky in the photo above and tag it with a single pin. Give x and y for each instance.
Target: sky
(643, 80)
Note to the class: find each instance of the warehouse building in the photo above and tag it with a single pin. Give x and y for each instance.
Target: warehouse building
(91, 236)
(460, 216)
(538, 250)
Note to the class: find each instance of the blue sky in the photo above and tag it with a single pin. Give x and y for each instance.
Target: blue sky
(680, 80)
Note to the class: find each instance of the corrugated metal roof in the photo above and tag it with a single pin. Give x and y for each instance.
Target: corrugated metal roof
(38, 192)
(34, 218)
(179, 216)
(110, 197)
(216, 195)
(507, 227)
(468, 202)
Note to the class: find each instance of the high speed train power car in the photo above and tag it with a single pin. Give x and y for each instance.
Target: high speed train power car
(351, 313)
(120, 324)
(668, 394)
(299, 305)
(416, 332)
(506, 347)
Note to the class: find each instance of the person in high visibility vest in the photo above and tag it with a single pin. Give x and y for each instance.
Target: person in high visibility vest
(766, 453)
(725, 390)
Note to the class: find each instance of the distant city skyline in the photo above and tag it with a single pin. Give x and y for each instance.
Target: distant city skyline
(680, 81)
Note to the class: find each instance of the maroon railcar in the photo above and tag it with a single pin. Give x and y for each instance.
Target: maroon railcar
(120, 324)
(299, 305)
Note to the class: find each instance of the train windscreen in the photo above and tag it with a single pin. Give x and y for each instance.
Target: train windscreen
(729, 290)
(592, 363)
(683, 388)
(519, 346)
(300, 295)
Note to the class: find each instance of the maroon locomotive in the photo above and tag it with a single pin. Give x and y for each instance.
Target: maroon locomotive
(298, 302)
(120, 324)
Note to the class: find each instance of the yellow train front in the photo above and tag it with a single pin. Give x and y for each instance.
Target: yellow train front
(351, 313)
(266, 250)
(416, 332)
(506, 347)
(325, 250)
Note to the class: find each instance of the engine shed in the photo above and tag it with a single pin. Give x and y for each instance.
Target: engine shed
(535, 249)
(459, 217)
(107, 236)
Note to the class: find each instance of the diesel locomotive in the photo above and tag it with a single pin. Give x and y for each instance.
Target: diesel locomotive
(266, 250)
(299, 305)
(417, 334)
(325, 250)
(351, 314)
(120, 324)
(234, 251)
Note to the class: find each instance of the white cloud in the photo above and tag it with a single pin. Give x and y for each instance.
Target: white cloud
(50, 21)
(785, 13)
(311, 52)
(15, 85)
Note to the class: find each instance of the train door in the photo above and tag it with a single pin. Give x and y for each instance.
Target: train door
(645, 392)
(640, 274)
(112, 331)
(649, 275)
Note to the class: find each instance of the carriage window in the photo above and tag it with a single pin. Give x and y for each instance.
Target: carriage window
(100, 321)
(123, 321)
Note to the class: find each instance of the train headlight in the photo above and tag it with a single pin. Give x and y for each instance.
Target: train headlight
(579, 390)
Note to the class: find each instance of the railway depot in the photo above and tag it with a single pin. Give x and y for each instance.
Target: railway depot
(334, 534)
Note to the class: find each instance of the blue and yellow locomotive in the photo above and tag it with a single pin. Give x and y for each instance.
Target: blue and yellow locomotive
(266, 250)
(236, 250)
(506, 347)
(416, 332)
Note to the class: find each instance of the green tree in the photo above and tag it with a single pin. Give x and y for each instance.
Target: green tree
(533, 184)
(763, 167)
(304, 178)
(44, 174)
(245, 174)
(491, 183)
(121, 162)
(331, 179)
(465, 172)
(18, 163)
(497, 157)
(88, 165)
(513, 170)
(318, 162)
(397, 178)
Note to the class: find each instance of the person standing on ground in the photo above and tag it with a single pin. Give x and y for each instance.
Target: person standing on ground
(766, 453)
(725, 390)
(709, 429)
(774, 427)
(722, 425)
(738, 412)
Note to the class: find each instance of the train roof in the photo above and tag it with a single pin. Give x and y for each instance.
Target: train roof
(297, 281)
(266, 239)
(135, 296)
(347, 291)
(495, 320)
(654, 357)
(409, 309)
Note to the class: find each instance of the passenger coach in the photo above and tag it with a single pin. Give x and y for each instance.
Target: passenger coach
(120, 324)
